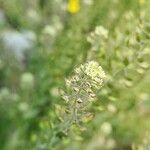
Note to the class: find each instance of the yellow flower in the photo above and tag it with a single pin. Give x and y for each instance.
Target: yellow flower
(141, 2)
(73, 6)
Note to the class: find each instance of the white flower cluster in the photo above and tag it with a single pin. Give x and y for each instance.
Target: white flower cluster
(100, 30)
(97, 36)
(81, 88)
(86, 79)
(93, 70)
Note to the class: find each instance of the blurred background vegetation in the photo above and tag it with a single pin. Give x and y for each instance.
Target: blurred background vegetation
(42, 41)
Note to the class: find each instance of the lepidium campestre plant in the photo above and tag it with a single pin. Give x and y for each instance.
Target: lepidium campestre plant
(81, 88)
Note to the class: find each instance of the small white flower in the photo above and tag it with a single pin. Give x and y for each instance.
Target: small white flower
(23, 107)
(54, 91)
(66, 98)
(68, 82)
(27, 81)
(111, 108)
(106, 128)
(100, 30)
(4, 93)
(49, 30)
